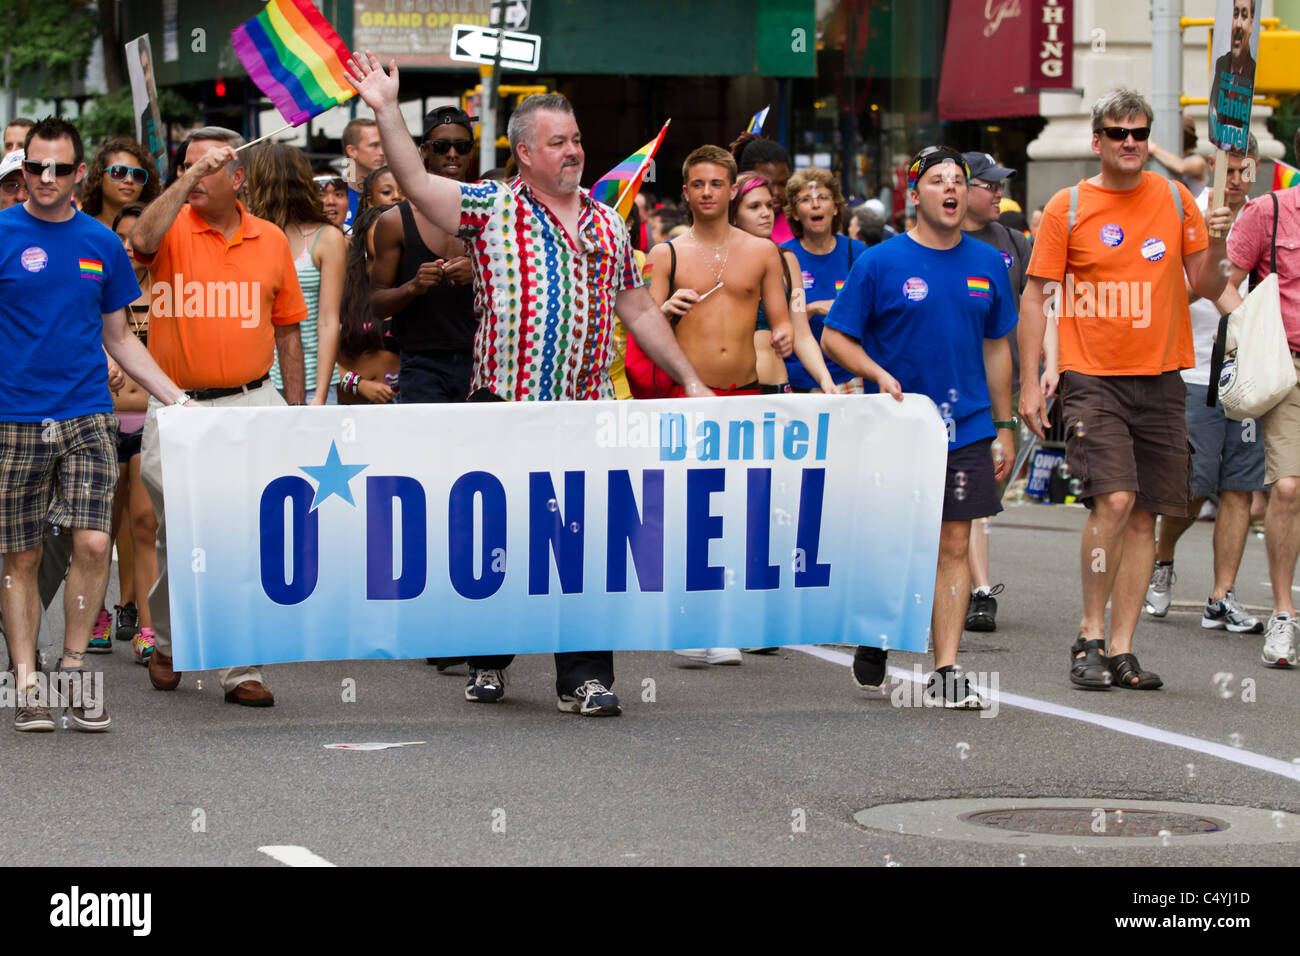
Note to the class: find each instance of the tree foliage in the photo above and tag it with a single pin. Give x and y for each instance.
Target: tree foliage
(113, 114)
(47, 43)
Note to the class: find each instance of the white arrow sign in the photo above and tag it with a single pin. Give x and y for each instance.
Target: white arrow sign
(517, 13)
(473, 44)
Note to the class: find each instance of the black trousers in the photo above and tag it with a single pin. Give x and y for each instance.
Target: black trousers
(438, 376)
(572, 668)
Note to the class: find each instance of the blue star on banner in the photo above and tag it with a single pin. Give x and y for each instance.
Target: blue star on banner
(332, 478)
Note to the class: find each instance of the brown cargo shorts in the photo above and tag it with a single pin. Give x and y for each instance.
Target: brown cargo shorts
(1128, 433)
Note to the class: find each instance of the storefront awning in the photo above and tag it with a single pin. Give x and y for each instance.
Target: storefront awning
(985, 57)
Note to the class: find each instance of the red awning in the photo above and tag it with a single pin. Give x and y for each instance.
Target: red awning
(985, 57)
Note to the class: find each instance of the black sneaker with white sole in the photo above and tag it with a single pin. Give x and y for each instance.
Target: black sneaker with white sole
(1227, 614)
(592, 699)
(950, 688)
(982, 613)
(869, 667)
(486, 685)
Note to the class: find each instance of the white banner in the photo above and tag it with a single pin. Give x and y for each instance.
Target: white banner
(441, 530)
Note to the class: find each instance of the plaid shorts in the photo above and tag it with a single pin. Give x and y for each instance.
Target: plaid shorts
(59, 472)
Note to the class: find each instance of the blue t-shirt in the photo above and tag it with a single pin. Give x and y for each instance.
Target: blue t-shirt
(923, 314)
(354, 198)
(57, 279)
(823, 277)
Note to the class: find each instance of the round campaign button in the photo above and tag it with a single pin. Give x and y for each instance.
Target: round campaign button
(1006, 257)
(915, 289)
(34, 259)
(1112, 234)
(808, 279)
(1153, 249)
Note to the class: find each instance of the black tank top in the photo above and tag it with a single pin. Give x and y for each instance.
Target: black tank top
(442, 318)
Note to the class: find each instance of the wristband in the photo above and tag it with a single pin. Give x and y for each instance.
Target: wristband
(351, 382)
(181, 399)
(1011, 424)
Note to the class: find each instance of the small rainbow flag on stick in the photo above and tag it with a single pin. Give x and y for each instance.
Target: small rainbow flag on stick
(295, 58)
(619, 186)
(1284, 176)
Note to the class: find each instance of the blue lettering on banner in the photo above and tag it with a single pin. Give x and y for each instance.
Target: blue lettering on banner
(306, 540)
(642, 533)
(381, 492)
(702, 526)
(548, 533)
(759, 575)
(460, 534)
(808, 535)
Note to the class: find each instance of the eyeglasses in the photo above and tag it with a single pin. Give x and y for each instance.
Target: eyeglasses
(118, 174)
(1121, 133)
(11, 185)
(463, 147)
(36, 167)
(993, 188)
(330, 182)
(809, 197)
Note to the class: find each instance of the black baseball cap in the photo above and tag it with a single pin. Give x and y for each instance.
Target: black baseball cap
(985, 167)
(448, 114)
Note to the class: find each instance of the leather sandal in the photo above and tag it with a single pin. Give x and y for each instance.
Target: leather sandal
(1090, 671)
(1127, 672)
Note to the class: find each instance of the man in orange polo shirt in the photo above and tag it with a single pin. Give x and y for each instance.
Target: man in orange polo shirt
(1110, 254)
(225, 300)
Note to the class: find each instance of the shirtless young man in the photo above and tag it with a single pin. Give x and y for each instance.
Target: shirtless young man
(709, 283)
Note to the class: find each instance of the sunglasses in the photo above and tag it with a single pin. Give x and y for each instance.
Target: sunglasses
(11, 186)
(118, 174)
(1121, 133)
(991, 187)
(330, 182)
(36, 167)
(463, 147)
(931, 156)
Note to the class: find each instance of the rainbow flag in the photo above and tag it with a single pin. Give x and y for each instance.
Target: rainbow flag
(91, 268)
(295, 58)
(619, 186)
(756, 123)
(977, 285)
(1284, 176)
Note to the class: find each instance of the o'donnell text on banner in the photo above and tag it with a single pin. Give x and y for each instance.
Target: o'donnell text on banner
(414, 531)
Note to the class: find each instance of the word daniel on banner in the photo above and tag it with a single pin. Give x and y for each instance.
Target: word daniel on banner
(538, 527)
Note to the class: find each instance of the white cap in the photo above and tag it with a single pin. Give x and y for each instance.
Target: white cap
(11, 163)
(875, 205)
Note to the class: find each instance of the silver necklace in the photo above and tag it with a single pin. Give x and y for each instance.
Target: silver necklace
(719, 259)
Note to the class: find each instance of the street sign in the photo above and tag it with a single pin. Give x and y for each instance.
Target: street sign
(517, 13)
(474, 44)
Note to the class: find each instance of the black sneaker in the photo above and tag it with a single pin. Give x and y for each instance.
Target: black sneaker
(486, 686)
(592, 699)
(952, 690)
(983, 610)
(869, 667)
(128, 621)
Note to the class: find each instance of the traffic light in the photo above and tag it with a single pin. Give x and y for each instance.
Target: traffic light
(220, 88)
(1278, 70)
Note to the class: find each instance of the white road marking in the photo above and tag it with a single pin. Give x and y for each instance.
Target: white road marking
(294, 856)
(1247, 758)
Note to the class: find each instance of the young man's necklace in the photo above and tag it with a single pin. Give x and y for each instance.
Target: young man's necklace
(719, 259)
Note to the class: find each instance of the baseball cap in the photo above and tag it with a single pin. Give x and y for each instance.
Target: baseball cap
(448, 114)
(11, 163)
(985, 167)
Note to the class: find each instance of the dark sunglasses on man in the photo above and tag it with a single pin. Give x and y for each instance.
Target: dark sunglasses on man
(1121, 133)
(36, 167)
(118, 173)
(463, 147)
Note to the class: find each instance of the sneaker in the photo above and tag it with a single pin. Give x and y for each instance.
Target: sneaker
(869, 667)
(142, 646)
(1162, 578)
(486, 685)
(128, 621)
(85, 708)
(32, 716)
(983, 610)
(592, 699)
(1230, 615)
(100, 642)
(1279, 641)
(951, 689)
(711, 655)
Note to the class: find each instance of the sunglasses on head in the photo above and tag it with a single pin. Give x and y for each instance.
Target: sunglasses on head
(1121, 133)
(36, 167)
(463, 147)
(330, 182)
(118, 173)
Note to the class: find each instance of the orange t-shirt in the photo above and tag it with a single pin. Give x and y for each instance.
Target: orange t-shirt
(208, 327)
(1120, 274)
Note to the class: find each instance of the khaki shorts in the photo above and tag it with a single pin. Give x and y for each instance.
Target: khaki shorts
(1128, 433)
(1281, 428)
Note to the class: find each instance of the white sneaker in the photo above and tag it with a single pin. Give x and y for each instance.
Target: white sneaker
(711, 655)
(1279, 641)
(1162, 576)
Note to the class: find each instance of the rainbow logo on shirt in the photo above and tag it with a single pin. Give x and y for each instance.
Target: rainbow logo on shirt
(839, 284)
(91, 268)
(977, 286)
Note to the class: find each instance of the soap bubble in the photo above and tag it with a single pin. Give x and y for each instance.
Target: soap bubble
(1235, 740)
(952, 395)
(1080, 429)
(959, 493)
(552, 505)
(1164, 837)
(1191, 771)
(575, 527)
(963, 750)
(1063, 470)
(945, 410)
(960, 479)
(1075, 486)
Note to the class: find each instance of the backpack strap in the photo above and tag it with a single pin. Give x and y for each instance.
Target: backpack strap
(1074, 209)
(785, 272)
(672, 268)
(1178, 201)
(1277, 214)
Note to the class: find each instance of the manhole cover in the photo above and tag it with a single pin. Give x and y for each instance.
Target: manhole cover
(1077, 821)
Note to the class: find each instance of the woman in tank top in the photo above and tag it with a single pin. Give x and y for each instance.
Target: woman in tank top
(281, 190)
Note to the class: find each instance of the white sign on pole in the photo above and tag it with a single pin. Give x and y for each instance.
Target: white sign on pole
(517, 13)
(473, 44)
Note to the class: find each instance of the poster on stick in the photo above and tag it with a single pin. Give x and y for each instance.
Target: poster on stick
(144, 101)
(1235, 51)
